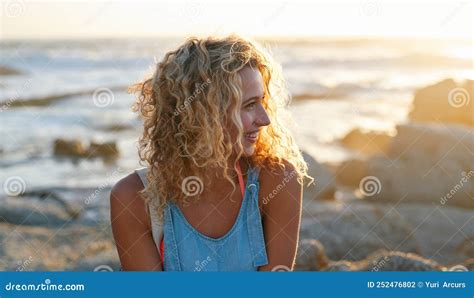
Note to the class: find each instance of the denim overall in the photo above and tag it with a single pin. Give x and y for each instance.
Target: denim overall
(242, 248)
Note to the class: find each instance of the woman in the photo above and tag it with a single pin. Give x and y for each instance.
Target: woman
(223, 184)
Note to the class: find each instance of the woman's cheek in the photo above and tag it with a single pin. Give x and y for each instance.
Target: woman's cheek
(246, 118)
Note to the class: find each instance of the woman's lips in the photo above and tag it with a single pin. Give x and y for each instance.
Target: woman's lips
(252, 137)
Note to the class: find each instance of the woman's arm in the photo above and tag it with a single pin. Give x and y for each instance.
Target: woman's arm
(132, 228)
(281, 198)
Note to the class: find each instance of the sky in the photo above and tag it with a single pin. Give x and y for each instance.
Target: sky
(100, 19)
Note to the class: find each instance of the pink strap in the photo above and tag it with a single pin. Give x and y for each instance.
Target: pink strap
(241, 179)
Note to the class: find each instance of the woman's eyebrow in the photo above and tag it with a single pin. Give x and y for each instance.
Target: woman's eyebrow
(254, 97)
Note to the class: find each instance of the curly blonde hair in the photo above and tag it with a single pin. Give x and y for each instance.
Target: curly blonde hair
(187, 106)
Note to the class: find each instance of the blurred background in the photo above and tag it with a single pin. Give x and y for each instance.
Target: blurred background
(382, 106)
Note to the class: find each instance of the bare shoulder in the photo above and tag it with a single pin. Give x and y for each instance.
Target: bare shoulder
(278, 172)
(280, 187)
(126, 186)
(279, 177)
(124, 196)
(131, 226)
(281, 195)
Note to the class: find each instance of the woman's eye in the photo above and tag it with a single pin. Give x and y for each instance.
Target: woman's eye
(250, 106)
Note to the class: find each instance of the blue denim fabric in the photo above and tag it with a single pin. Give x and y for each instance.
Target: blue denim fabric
(242, 248)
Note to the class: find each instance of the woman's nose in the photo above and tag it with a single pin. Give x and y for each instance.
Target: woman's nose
(262, 118)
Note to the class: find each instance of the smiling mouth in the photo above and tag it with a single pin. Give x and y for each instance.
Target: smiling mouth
(252, 137)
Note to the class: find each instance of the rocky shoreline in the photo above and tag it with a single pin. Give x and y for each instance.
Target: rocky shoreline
(404, 202)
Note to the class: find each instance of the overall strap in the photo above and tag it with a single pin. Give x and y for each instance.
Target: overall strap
(254, 224)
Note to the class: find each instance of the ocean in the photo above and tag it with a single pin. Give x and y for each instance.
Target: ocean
(337, 85)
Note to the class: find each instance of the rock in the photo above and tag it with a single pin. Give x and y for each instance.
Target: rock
(351, 172)
(33, 212)
(8, 71)
(107, 261)
(443, 233)
(38, 233)
(435, 140)
(104, 150)
(101, 256)
(469, 264)
(310, 256)
(75, 149)
(387, 261)
(70, 148)
(367, 142)
(466, 247)
(116, 127)
(72, 247)
(41, 101)
(46, 194)
(323, 186)
(426, 163)
(352, 231)
(445, 102)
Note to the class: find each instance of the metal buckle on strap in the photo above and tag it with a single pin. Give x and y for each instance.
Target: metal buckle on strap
(252, 186)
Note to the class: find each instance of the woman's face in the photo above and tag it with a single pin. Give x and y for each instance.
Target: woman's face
(252, 112)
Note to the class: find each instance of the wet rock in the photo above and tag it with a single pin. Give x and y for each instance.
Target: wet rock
(104, 150)
(74, 211)
(75, 149)
(70, 148)
(33, 212)
(48, 100)
(116, 127)
(8, 71)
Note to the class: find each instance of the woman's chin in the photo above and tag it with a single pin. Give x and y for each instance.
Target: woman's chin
(249, 150)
